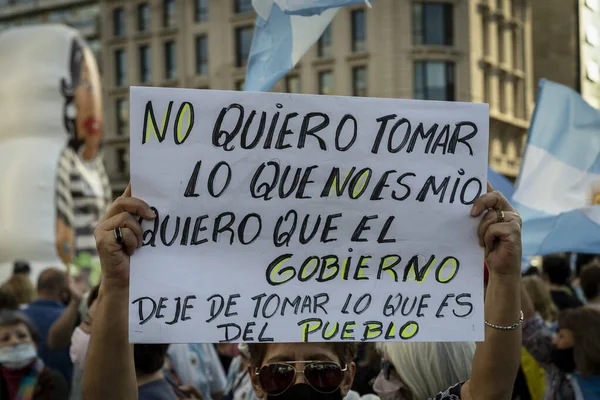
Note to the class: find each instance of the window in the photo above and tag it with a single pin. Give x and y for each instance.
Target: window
(324, 44)
(433, 24)
(170, 60)
(122, 160)
(143, 14)
(239, 85)
(120, 68)
(145, 62)
(359, 31)
(201, 10)
(122, 116)
(201, 55)
(242, 6)
(434, 80)
(119, 22)
(243, 41)
(292, 84)
(359, 81)
(501, 42)
(325, 82)
(591, 35)
(593, 71)
(168, 13)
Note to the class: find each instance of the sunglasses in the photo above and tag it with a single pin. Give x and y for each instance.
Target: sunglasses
(387, 368)
(323, 376)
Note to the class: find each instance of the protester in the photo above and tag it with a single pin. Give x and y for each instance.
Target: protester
(53, 292)
(21, 287)
(21, 267)
(23, 374)
(149, 360)
(328, 368)
(568, 356)
(239, 384)
(408, 372)
(590, 284)
(8, 301)
(557, 273)
(79, 344)
(540, 296)
(198, 366)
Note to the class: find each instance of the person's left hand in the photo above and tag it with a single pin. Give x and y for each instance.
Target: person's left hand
(499, 232)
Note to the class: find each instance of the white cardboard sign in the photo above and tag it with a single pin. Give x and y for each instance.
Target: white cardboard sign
(292, 218)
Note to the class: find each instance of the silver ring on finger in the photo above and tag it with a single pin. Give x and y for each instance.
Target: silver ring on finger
(119, 235)
(500, 215)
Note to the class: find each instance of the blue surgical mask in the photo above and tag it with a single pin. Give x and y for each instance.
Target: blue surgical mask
(17, 357)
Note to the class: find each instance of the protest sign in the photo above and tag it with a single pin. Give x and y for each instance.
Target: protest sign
(292, 218)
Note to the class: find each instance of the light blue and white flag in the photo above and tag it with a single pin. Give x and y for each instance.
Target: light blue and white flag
(558, 190)
(284, 31)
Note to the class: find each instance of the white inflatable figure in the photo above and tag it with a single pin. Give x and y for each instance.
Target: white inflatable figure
(53, 186)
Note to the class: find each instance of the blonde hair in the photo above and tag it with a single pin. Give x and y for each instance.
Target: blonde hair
(540, 296)
(429, 368)
(21, 287)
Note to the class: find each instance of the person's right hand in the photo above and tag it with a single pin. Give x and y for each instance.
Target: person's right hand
(114, 257)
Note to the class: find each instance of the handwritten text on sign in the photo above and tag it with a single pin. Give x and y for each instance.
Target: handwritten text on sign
(306, 218)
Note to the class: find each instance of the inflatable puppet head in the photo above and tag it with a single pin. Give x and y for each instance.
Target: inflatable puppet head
(53, 186)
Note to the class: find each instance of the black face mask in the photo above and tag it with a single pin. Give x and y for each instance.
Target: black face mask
(564, 359)
(303, 391)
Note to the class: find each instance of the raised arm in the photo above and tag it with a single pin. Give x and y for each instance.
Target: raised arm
(113, 373)
(496, 360)
(59, 336)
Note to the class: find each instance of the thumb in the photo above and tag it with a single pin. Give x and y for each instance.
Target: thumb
(127, 192)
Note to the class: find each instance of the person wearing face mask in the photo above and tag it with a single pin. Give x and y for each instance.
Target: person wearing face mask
(407, 372)
(79, 345)
(23, 375)
(571, 357)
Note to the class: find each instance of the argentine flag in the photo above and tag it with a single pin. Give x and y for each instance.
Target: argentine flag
(284, 31)
(558, 190)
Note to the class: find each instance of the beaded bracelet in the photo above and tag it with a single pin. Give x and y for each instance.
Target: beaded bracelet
(506, 328)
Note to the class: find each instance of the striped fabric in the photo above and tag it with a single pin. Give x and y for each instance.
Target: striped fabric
(83, 194)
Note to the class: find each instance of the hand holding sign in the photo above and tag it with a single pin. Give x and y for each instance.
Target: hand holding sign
(114, 257)
(500, 232)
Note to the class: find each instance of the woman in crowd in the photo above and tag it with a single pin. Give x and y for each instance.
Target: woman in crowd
(239, 384)
(23, 375)
(326, 369)
(571, 358)
(414, 370)
(540, 297)
(21, 287)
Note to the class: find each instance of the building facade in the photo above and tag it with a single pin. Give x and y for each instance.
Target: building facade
(566, 40)
(462, 50)
(79, 14)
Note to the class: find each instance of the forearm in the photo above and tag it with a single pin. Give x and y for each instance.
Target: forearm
(496, 360)
(59, 336)
(113, 375)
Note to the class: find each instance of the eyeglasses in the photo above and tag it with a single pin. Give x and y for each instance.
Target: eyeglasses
(387, 368)
(323, 376)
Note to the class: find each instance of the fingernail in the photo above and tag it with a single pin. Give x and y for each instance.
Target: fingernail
(474, 211)
(151, 214)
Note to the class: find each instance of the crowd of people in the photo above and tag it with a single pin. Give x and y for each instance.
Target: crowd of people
(62, 340)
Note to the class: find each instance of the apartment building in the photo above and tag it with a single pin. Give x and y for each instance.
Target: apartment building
(566, 39)
(457, 50)
(79, 14)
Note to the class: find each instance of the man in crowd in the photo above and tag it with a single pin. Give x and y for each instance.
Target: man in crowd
(557, 273)
(54, 291)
